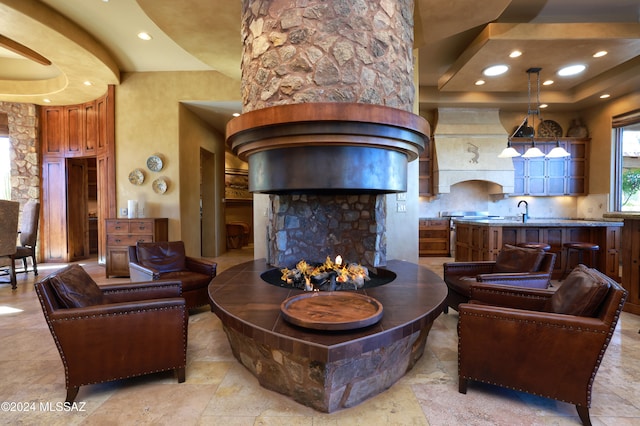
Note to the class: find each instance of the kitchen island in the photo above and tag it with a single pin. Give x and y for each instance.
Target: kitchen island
(630, 257)
(483, 240)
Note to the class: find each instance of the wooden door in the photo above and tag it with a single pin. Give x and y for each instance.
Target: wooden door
(54, 202)
(77, 214)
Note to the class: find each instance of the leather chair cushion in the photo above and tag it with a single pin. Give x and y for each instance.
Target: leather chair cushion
(165, 256)
(75, 288)
(518, 259)
(581, 293)
(23, 252)
(461, 284)
(190, 280)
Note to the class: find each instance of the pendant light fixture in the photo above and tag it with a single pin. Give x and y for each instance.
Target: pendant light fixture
(525, 130)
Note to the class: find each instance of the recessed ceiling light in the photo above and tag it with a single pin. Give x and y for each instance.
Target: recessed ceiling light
(604, 96)
(46, 100)
(571, 70)
(543, 106)
(548, 82)
(495, 70)
(236, 114)
(515, 54)
(144, 36)
(88, 83)
(600, 54)
(479, 82)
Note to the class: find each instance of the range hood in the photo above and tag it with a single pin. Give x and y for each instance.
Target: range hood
(467, 143)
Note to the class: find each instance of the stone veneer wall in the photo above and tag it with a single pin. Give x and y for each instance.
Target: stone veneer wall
(25, 163)
(312, 227)
(329, 385)
(310, 51)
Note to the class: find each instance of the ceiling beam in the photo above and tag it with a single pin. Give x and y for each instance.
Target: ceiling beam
(24, 51)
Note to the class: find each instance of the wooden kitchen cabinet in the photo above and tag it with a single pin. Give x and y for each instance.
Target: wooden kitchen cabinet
(631, 263)
(551, 176)
(122, 233)
(433, 237)
(484, 240)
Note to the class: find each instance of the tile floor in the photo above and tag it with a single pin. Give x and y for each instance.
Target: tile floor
(219, 391)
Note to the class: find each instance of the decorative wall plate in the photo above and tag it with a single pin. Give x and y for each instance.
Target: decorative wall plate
(154, 163)
(136, 177)
(160, 185)
(549, 129)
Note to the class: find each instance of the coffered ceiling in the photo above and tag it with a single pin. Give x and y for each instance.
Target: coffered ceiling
(95, 41)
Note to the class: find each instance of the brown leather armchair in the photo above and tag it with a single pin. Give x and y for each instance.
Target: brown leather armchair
(166, 260)
(515, 266)
(539, 341)
(111, 332)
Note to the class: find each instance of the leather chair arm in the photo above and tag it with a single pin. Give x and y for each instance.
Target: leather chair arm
(532, 320)
(202, 266)
(122, 292)
(520, 279)
(139, 273)
(121, 308)
(510, 296)
(469, 268)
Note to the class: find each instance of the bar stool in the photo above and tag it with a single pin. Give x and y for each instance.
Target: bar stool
(531, 245)
(581, 248)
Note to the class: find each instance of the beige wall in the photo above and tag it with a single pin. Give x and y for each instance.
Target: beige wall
(148, 122)
(194, 135)
(598, 120)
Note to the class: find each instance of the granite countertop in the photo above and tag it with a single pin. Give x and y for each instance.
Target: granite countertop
(547, 222)
(622, 215)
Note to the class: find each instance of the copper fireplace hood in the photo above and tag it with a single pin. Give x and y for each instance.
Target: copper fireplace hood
(328, 148)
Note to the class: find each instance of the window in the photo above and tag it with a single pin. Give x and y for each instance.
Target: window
(5, 168)
(627, 162)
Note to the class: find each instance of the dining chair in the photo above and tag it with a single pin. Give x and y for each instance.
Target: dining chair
(28, 235)
(9, 212)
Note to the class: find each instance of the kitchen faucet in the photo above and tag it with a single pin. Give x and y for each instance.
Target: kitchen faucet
(525, 215)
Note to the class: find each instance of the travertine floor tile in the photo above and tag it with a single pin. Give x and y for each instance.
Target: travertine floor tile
(220, 391)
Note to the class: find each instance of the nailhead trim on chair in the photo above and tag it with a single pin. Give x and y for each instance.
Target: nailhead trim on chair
(141, 289)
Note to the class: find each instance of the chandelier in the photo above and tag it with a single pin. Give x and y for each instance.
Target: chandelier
(525, 130)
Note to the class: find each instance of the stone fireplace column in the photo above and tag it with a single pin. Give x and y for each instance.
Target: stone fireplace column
(301, 52)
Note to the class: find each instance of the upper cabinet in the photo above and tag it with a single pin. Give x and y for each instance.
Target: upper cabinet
(552, 176)
(73, 131)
